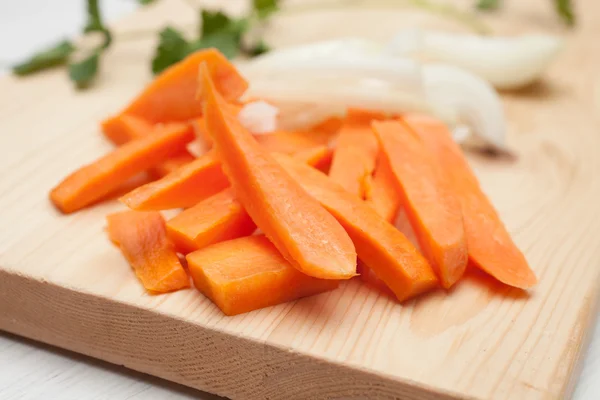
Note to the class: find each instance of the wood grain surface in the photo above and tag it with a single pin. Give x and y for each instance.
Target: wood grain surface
(62, 283)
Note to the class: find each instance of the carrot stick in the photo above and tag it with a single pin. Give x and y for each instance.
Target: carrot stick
(382, 194)
(429, 199)
(305, 234)
(142, 238)
(355, 154)
(172, 95)
(379, 245)
(490, 246)
(249, 273)
(221, 217)
(181, 188)
(291, 142)
(122, 128)
(93, 181)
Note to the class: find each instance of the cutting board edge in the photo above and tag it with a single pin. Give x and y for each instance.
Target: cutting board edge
(262, 362)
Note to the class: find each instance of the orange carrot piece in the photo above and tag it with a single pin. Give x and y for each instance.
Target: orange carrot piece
(172, 95)
(383, 248)
(490, 246)
(218, 218)
(382, 194)
(355, 154)
(182, 188)
(122, 128)
(306, 235)
(142, 238)
(93, 181)
(429, 200)
(249, 273)
(221, 217)
(291, 142)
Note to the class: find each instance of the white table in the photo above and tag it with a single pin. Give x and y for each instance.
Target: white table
(32, 371)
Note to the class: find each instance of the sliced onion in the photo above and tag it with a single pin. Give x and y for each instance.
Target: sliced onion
(259, 117)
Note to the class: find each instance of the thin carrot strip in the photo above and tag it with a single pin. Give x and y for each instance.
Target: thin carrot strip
(123, 128)
(382, 194)
(249, 273)
(428, 198)
(142, 238)
(93, 181)
(306, 235)
(182, 188)
(172, 95)
(379, 245)
(293, 141)
(490, 246)
(355, 154)
(221, 217)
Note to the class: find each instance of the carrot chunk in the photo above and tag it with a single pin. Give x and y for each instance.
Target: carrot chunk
(306, 235)
(221, 217)
(490, 246)
(382, 194)
(142, 238)
(249, 273)
(122, 128)
(431, 204)
(91, 182)
(355, 154)
(172, 95)
(383, 248)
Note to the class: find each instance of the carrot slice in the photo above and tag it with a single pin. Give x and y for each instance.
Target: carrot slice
(122, 128)
(221, 217)
(249, 273)
(218, 218)
(306, 235)
(355, 154)
(93, 181)
(182, 188)
(490, 246)
(172, 95)
(431, 204)
(379, 245)
(382, 194)
(293, 141)
(142, 238)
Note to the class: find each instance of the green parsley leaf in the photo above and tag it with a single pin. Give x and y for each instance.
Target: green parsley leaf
(172, 48)
(226, 42)
(488, 4)
(214, 21)
(565, 10)
(84, 71)
(145, 2)
(259, 48)
(51, 57)
(264, 8)
(95, 23)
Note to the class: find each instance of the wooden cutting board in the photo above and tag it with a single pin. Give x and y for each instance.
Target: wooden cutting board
(62, 283)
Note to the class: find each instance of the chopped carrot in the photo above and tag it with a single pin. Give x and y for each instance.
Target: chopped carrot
(249, 273)
(142, 238)
(306, 235)
(355, 154)
(383, 248)
(122, 128)
(490, 246)
(218, 218)
(291, 142)
(429, 199)
(318, 157)
(91, 182)
(172, 95)
(182, 188)
(382, 194)
(221, 217)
